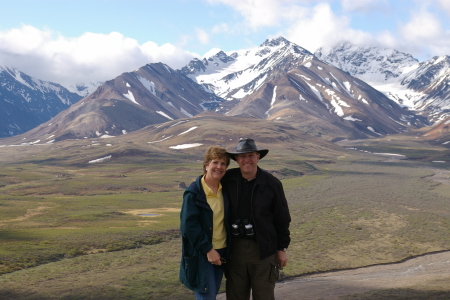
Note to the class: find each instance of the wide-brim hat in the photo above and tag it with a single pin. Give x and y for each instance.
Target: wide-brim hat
(246, 146)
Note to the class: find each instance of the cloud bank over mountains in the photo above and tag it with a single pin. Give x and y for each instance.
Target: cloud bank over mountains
(92, 57)
(423, 31)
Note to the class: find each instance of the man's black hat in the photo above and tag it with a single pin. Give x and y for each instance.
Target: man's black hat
(246, 146)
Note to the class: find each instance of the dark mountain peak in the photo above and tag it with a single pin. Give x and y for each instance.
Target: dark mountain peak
(428, 72)
(222, 56)
(159, 68)
(199, 66)
(444, 59)
(194, 66)
(275, 42)
(281, 43)
(234, 55)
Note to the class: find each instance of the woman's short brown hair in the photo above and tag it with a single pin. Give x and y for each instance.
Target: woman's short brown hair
(214, 152)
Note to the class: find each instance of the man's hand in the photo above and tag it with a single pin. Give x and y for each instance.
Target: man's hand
(282, 258)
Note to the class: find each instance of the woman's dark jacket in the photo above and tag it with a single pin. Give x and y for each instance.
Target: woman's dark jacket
(270, 211)
(196, 233)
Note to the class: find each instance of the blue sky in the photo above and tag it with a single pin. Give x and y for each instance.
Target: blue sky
(70, 41)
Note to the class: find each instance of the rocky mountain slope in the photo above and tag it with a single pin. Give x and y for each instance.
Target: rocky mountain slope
(153, 94)
(430, 81)
(27, 102)
(439, 133)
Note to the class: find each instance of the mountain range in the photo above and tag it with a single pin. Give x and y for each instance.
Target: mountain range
(337, 93)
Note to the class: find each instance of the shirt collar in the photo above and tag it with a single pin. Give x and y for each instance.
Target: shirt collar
(207, 190)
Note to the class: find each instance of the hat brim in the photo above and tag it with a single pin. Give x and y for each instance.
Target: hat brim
(262, 153)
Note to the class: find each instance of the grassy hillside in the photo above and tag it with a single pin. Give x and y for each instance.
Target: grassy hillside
(70, 229)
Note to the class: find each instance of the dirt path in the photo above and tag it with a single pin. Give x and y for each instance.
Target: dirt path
(332, 285)
(442, 176)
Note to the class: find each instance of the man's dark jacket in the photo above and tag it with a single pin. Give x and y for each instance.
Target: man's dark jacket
(270, 211)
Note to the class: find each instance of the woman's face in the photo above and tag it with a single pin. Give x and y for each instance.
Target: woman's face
(216, 168)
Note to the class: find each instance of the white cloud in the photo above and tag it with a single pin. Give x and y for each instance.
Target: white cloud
(256, 13)
(445, 4)
(303, 22)
(387, 39)
(202, 36)
(221, 28)
(309, 27)
(262, 13)
(423, 35)
(48, 55)
(319, 27)
(91, 57)
(311, 24)
(423, 26)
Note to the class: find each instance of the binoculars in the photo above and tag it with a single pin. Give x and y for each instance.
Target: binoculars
(242, 228)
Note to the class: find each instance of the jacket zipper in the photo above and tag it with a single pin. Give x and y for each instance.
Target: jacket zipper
(251, 206)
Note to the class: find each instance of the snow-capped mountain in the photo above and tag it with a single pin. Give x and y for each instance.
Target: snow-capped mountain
(229, 75)
(430, 83)
(368, 63)
(152, 94)
(419, 86)
(281, 80)
(27, 102)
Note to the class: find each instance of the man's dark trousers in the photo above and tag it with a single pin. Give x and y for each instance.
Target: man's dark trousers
(246, 272)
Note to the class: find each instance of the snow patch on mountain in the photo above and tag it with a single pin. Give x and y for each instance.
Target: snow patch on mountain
(350, 118)
(130, 97)
(164, 115)
(149, 85)
(190, 129)
(274, 98)
(185, 146)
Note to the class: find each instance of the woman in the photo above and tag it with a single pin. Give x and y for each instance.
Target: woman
(204, 227)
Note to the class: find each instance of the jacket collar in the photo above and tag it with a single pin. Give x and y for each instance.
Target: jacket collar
(235, 174)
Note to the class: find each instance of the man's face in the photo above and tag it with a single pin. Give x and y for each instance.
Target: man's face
(248, 162)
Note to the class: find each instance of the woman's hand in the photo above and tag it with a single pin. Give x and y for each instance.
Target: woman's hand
(214, 257)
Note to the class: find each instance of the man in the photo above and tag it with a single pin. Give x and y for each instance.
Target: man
(260, 226)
